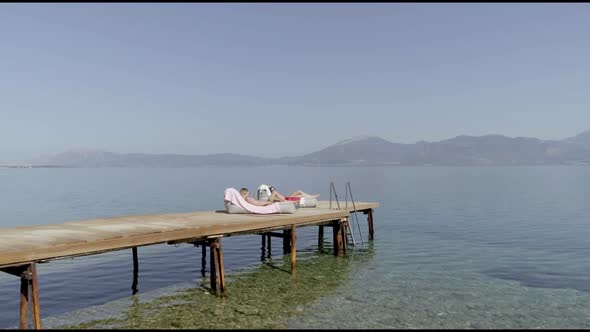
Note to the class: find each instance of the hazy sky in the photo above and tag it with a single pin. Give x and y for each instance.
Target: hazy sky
(286, 79)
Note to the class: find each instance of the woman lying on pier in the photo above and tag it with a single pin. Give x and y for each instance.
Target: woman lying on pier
(246, 194)
(275, 196)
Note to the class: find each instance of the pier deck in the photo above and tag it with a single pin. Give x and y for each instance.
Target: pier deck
(22, 247)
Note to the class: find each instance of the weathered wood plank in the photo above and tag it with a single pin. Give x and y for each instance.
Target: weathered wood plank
(275, 234)
(46, 244)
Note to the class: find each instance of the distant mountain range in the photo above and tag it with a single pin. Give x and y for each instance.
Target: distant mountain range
(366, 150)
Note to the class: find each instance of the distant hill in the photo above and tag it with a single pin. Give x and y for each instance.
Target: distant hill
(365, 150)
(356, 151)
(582, 140)
(92, 158)
(460, 150)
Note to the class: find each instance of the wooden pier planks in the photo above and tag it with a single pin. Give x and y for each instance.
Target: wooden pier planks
(20, 245)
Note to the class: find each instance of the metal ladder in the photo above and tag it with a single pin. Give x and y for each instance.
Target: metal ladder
(350, 233)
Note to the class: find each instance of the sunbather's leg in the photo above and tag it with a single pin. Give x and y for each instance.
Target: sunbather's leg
(276, 197)
(300, 193)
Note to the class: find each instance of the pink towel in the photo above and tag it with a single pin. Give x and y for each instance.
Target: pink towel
(232, 195)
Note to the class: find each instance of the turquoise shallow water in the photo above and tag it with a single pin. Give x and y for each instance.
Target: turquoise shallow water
(465, 247)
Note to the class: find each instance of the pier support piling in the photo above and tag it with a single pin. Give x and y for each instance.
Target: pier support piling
(337, 236)
(369, 214)
(286, 241)
(216, 261)
(371, 227)
(263, 248)
(268, 247)
(35, 307)
(28, 279)
(344, 233)
(24, 301)
(321, 237)
(293, 248)
(203, 259)
(135, 271)
(220, 268)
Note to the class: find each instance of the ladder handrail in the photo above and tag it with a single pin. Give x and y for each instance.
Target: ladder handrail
(346, 198)
(335, 195)
(333, 187)
(354, 207)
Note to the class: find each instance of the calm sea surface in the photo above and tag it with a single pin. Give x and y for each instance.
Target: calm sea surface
(463, 247)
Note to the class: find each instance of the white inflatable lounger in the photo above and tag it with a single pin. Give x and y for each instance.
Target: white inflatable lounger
(235, 203)
(307, 202)
(284, 207)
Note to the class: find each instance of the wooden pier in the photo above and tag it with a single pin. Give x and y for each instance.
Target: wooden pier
(21, 248)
